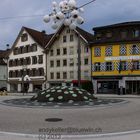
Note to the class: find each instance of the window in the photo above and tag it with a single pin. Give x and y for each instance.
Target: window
(123, 34)
(58, 75)
(108, 66)
(64, 75)
(136, 33)
(51, 53)
(64, 39)
(71, 38)
(64, 51)
(123, 65)
(86, 49)
(98, 36)
(16, 62)
(58, 63)
(34, 60)
(65, 62)
(27, 49)
(24, 37)
(97, 51)
(58, 51)
(34, 47)
(71, 50)
(71, 62)
(16, 73)
(108, 51)
(51, 63)
(15, 51)
(109, 34)
(33, 72)
(135, 65)
(68, 31)
(41, 71)
(86, 61)
(86, 74)
(123, 50)
(21, 61)
(10, 74)
(135, 50)
(21, 50)
(97, 66)
(28, 60)
(71, 74)
(52, 75)
(40, 59)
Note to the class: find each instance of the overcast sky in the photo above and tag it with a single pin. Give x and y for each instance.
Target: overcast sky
(99, 13)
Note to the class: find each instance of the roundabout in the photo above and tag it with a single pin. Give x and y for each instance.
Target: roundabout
(109, 115)
(27, 103)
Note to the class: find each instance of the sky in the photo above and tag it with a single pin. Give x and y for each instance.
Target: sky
(98, 13)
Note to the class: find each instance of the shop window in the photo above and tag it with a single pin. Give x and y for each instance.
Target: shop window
(97, 66)
(109, 66)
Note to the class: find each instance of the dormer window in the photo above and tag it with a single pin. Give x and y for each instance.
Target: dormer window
(136, 33)
(109, 34)
(24, 37)
(123, 34)
(98, 36)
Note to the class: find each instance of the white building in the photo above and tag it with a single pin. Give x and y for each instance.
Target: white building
(62, 56)
(27, 57)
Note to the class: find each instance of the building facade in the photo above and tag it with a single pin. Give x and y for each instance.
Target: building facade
(27, 58)
(116, 58)
(3, 68)
(62, 56)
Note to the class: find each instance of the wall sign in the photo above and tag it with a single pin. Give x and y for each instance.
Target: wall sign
(122, 58)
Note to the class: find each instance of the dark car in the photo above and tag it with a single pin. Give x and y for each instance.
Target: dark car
(3, 89)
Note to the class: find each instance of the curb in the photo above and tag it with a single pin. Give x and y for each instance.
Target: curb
(74, 136)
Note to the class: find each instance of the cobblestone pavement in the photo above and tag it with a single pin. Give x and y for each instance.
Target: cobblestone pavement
(117, 118)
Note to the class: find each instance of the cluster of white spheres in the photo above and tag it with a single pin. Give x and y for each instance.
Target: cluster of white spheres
(68, 14)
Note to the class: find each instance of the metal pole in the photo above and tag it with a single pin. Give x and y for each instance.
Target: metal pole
(79, 62)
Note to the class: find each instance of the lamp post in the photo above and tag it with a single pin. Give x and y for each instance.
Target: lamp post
(67, 13)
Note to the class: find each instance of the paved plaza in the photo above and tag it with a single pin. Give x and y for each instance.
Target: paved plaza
(92, 120)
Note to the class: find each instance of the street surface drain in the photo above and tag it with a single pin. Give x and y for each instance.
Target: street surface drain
(53, 120)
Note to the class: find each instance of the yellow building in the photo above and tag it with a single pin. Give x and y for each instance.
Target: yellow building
(116, 58)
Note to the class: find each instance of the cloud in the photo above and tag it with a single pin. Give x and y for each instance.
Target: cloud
(99, 13)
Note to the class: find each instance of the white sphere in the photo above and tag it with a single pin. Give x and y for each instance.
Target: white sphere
(54, 3)
(54, 26)
(61, 4)
(54, 17)
(74, 13)
(60, 15)
(80, 20)
(81, 10)
(46, 18)
(72, 3)
(72, 26)
(67, 22)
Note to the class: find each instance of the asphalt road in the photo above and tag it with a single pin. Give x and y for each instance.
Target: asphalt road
(95, 120)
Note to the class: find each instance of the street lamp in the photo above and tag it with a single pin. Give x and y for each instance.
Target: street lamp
(67, 13)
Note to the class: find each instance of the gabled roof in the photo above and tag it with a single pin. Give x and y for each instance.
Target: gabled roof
(41, 38)
(124, 24)
(86, 36)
